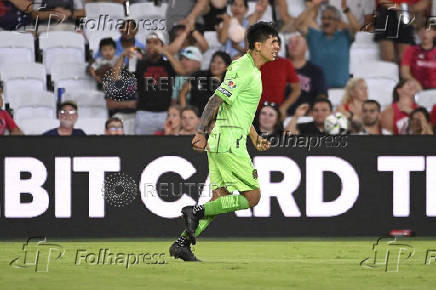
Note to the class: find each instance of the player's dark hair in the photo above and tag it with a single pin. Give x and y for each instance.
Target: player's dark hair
(260, 32)
(373, 102)
(112, 120)
(322, 100)
(190, 108)
(395, 94)
(107, 41)
(245, 3)
(422, 110)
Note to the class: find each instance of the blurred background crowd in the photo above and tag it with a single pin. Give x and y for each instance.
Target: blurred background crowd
(81, 67)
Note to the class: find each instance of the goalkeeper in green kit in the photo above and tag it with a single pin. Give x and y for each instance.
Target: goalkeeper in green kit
(234, 104)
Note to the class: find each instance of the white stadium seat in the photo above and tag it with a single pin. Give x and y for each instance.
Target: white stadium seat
(296, 7)
(62, 46)
(336, 96)
(91, 126)
(359, 55)
(300, 120)
(37, 126)
(16, 46)
(91, 103)
(71, 76)
(142, 10)
(112, 9)
(214, 45)
(426, 99)
(18, 76)
(377, 69)
(29, 112)
(267, 16)
(31, 98)
(381, 90)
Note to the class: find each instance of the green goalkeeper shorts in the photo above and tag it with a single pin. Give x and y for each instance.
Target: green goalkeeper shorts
(232, 170)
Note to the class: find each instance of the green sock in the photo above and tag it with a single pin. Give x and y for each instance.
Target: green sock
(225, 204)
(202, 225)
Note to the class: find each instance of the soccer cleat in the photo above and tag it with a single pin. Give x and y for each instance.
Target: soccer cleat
(182, 252)
(191, 222)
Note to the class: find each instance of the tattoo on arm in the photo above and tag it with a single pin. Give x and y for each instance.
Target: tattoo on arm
(209, 112)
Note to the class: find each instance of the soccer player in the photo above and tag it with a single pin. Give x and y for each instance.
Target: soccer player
(230, 168)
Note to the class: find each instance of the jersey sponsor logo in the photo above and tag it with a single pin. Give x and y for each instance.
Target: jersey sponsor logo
(255, 174)
(224, 91)
(231, 84)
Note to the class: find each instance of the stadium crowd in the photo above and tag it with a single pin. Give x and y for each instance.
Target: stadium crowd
(374, 61)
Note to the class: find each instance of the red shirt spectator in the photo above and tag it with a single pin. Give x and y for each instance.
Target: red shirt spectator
(275, 76)
(6, 122)
(433, 116)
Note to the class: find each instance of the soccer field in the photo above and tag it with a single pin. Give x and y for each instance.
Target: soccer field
(297, 263)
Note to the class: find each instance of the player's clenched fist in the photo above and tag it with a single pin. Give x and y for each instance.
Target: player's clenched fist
(262, 144)
(199, 142)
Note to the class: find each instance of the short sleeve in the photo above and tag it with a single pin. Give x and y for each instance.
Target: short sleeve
(229, 88)
(407, 56)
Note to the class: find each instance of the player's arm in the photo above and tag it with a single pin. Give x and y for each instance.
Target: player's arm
(260, 143)
(199, 141)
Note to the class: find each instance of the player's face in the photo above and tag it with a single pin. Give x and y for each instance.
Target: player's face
(270, 48)
(360, 92)
(174, 118)
(67, 116)
(189, 120)
(115, 128)
(320, 112)
(268, 118)
(107, 51)
(217, 66)
(370, 114)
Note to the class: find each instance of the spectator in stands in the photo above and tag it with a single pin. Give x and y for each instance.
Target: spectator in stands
(67, 115)
(356, 93)
(211, 19)
(371, 115)
(186, 12)
(190, 59)
(231, 31)
(182, 38)
(67, 11)
(6, 121)
(364, 11)
(15, 14)
(203, 83)
(419, 123)
(311, 76)
(114, 126)
(276, 75)
(128, 31)
(106, 61)
(190, 120)
(173, 122)
(321, 109)
(269, 122)
(154, 75)
(391, 31)
(329, 45)
(419, 61)
(395, 118)
(433, 116)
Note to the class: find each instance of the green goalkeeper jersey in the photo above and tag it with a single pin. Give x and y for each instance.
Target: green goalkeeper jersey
(241, 91)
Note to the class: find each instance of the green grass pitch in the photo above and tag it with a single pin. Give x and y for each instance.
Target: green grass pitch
(293, 263)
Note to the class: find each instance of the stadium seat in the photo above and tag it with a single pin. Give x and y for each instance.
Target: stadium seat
(91, 103)
(267, 16)
(91, 126)
(300, 120)
(296, 7)
(362, 38)
(37, 126)
(336, 96)
(31, 98)
(377, 69)
(71, 76)
(16, 46)
(426, 99)
(359, 55)
(22, 75)
(114, 10)
(143, 10)
(61, 46)
(381, 90)
(29, 112)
